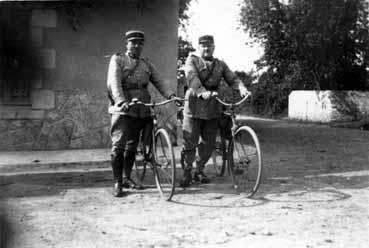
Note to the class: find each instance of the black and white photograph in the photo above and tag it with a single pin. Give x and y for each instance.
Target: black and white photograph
(184, 123)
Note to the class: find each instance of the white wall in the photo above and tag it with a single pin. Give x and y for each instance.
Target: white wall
(327, 106)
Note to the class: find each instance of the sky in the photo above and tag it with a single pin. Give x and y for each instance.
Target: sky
(221, 19)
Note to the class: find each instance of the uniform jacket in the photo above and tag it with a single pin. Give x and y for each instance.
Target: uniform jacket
(127, 80)
(197, 72)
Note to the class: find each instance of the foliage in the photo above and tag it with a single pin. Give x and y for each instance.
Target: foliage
(184, 49)
(246, 77)
(309, 44)
(183, 16)
(269, 95)
(184, 46)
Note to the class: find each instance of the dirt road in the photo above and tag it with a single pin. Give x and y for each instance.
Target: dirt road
(314, 193)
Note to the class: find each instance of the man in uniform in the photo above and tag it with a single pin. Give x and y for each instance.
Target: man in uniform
(128, 78)
(201, 110)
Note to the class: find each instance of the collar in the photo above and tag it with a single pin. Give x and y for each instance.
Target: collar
(198, 55)
(209, 59)
(131, 56)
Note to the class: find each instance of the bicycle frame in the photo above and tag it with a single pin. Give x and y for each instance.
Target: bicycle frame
(231, 108)
(155, 127)
(161, 160)
(152, 105)
(243, 168)
(223, 149)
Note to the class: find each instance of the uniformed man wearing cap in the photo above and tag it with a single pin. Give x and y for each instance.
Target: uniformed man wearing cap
(201, 111)
(128, 78)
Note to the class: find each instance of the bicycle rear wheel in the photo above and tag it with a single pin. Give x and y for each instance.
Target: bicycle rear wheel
(164, 164)
(244, 160)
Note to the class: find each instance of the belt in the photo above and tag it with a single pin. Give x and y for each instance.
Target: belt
(211, 88)
(133, 86)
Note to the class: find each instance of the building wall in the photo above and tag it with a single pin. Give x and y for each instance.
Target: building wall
(68, 101)
(328, 106)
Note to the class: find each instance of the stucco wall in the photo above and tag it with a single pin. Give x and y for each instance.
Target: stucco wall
(68, 91)
(327, 106)
(82, 55)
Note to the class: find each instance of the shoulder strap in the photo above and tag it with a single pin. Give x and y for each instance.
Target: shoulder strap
(130, 73)
(210, 73)
(147, 63)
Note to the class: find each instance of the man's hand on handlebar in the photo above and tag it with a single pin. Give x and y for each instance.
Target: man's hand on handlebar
(123, 106)
(208, 94)
(244, 92)
(178, 101)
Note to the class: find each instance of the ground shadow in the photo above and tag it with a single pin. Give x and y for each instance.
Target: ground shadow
(5, 229)
(53, 183)
(218, 194)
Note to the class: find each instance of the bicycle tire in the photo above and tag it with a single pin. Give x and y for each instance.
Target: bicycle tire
(244, 161)
(164, 164)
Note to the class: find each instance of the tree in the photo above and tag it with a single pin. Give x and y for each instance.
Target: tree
(183, 8)
(311, 44)
(184, 46)
(184, 49)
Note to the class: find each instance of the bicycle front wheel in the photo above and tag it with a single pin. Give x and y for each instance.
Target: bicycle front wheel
(219, 157)
(164, 165)
(244, 160)
(140, 163)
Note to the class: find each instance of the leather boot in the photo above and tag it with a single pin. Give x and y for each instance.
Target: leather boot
(200, 177)
(187, 178)
(117, 166)
(128, 182)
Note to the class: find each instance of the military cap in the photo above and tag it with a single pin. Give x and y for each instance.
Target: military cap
(134, 35)
(206, 39)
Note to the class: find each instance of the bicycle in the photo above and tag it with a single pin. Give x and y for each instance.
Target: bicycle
(158, 154)
(241, 157)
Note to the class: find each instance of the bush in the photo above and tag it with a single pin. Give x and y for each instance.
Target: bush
(269, 95)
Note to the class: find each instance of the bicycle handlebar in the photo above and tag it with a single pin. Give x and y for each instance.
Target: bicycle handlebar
(153, 104)
(231, 104)
(135, 101)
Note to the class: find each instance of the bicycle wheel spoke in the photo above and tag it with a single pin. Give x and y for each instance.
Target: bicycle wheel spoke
(165, 170)
(140, 165)
(162, 145)
(164, 175)
(164, 164)
(219, 157)
(245, 161)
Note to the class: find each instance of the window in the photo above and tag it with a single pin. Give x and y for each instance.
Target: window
(15, 55)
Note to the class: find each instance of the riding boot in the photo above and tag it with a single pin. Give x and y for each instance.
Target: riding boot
(200, 177)
(128, 182)
(128, 160)
(117, 166)
(187, 178)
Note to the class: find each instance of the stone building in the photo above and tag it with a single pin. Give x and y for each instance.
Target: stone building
(53, 65)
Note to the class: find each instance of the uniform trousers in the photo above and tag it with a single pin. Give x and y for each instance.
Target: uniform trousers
(125, 134)
(193, 130)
